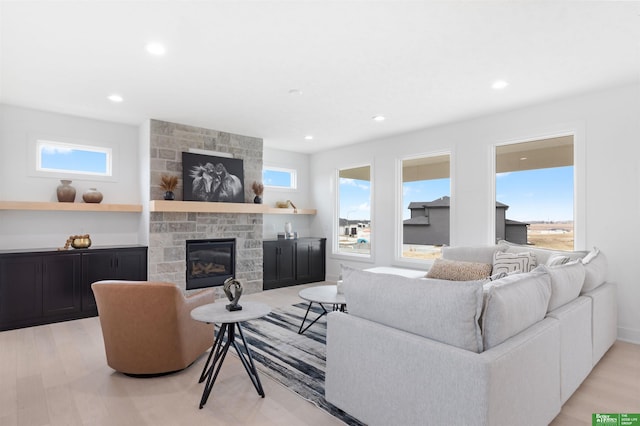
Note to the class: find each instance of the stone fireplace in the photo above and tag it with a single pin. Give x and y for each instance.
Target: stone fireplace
(169, 232)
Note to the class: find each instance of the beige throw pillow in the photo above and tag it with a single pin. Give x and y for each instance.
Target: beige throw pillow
(455, 270)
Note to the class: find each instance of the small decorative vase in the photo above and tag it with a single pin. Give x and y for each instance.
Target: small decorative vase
(65, 192)
(83, 241)
(257, 199)
(92, 195)
(169, 195)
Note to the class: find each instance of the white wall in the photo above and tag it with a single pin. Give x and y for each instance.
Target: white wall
(301, 197)
(45, 229)
(607, 129)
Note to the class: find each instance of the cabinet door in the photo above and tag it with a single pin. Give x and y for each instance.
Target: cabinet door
(131, 264)
(310, 260)
(61, 284)
(96, 266)
(20, 288)
(269, 265)
(287, 263)
(317, 268)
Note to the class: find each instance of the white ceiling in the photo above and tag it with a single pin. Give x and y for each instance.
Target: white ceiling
(230, 65)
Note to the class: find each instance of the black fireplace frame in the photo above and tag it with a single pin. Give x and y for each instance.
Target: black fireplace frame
(209, 281)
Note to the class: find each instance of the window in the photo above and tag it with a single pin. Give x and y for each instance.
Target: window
(275, 177)
(535, 193)
(354, 211)
(71, 158)
(426, 196)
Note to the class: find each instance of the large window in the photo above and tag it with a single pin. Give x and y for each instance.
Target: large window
(426, 192)
(354, 211)
(58, 157)
(535, 193)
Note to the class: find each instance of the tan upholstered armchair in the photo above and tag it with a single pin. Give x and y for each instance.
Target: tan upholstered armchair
(147, 326)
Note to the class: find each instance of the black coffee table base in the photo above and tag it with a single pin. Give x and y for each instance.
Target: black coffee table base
(219, 352)
(336, 307)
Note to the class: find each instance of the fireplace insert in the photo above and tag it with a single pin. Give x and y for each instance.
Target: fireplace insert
(210, 262)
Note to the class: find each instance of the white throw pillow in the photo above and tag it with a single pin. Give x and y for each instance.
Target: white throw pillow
(595, 265)
(566, 283)
(514, 305)
(440, 310)
(512, 262)
(557, 259)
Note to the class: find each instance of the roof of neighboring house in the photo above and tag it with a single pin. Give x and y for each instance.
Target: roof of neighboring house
(515, 222)
(420, 220)
(442, 202)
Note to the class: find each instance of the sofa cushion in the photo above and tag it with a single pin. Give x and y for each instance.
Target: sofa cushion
(513, 304)
(595, 266)
(440, 310)
(566, 282)
(542, 254)
(457, 270)
(513, 262)
(557, 259)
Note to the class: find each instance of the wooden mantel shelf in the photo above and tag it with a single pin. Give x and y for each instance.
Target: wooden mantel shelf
(204, 207)
(78, 207)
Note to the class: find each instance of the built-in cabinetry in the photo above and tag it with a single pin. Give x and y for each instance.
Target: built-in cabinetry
(40, 287)
(292, 262)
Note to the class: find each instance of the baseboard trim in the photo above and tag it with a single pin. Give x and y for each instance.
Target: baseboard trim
(630, 335)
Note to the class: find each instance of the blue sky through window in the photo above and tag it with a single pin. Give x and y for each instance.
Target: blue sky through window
(279, 178)
(73, 159)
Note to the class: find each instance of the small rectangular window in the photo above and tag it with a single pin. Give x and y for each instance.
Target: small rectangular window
(275, 177)
(71, 158)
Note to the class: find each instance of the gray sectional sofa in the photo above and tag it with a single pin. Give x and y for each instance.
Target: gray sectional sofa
(512, 350)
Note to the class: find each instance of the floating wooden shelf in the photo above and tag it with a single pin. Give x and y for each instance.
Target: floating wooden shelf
(79, 207)
(204, 207)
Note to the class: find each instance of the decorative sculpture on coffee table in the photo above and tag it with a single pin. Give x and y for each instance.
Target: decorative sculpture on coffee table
(237, 292)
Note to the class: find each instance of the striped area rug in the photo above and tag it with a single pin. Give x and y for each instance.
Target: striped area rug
(295, 360)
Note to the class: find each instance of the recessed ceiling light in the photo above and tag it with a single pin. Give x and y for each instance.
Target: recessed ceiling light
(115, 98)
(156, 49)
(378, 118)
(308, 137)
(295, 92)
(499, 84)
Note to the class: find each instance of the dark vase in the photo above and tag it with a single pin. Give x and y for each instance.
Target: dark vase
(92, 195)
(258, 199)
(169, 195)
(65, 192)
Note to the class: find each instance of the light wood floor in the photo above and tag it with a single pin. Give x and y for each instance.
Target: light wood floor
(57, 375)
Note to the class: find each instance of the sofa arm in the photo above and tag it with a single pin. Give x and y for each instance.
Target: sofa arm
(383, 375)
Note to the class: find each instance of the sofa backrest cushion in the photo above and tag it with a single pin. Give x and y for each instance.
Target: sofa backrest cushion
(595, 266)
(566, 282)
(513, 304)
(542, 254)
(458, 270)
(480, 254)
(440, 310)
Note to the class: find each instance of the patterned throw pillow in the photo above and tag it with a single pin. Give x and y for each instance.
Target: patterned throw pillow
(455, 270)
(513, 262)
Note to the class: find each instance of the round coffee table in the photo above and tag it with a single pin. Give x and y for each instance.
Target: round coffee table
(323, 294)
(217, 313)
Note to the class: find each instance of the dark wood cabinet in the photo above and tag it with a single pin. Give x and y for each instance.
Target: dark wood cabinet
(292, 262)
(116, 264)
(49, 286)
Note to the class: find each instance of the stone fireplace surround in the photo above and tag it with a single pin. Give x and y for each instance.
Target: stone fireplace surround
(168, 232)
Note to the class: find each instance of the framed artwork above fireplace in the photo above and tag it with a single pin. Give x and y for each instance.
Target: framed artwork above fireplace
(211, 178)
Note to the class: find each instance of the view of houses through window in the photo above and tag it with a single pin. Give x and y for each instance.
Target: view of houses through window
(426, 191)
(354, 211)
(535, 193)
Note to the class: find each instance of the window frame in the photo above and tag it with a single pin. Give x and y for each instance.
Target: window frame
(335, 247)
(577, 131)
(41, 143)
(399, 228)
(293, 173)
